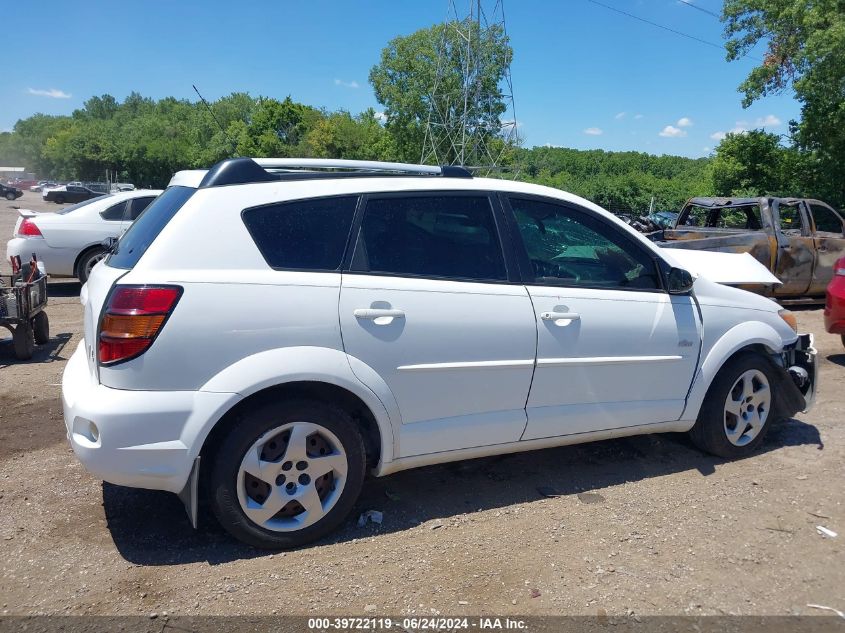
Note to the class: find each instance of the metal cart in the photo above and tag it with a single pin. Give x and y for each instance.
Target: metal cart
(22, 312)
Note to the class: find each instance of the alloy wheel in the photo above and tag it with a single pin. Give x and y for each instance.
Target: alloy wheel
(747, 407)
(291, 476)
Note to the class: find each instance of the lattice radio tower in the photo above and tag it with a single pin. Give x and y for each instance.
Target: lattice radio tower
(465, 125)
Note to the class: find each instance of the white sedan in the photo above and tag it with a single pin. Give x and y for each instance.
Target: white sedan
(70, 241)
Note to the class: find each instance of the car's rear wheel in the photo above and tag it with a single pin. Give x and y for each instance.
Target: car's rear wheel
(87, 263)
(738, 409)
(287, 473)
(10, 195)
(60, 199)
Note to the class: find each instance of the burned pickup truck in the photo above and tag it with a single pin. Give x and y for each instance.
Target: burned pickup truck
(797, 239)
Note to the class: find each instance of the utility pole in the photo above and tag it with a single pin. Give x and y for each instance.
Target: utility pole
(465, 125)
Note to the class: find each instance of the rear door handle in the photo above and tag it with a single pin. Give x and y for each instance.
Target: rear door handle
(379, 315)
(560, 316)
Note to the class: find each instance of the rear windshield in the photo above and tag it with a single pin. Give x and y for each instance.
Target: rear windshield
(79, 205)
(146, 228)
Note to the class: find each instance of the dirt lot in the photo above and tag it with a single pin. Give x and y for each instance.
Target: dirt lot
(646, 525)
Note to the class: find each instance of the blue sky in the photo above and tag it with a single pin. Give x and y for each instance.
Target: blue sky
(584, 76)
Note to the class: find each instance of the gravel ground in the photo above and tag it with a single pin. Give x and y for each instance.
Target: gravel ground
(646, 525)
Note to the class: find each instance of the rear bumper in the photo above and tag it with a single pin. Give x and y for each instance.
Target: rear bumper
(57, 261)
(141, 439)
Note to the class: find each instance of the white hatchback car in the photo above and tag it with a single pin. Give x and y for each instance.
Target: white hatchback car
(70, 241)
(264, 335)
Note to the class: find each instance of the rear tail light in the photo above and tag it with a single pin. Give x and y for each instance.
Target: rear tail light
(133, 317)
(29, 229)
(839, 266)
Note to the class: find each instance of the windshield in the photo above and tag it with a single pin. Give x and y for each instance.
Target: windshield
(146, 228)
(79, 205)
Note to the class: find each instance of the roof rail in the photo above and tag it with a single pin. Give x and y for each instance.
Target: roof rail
(235, 171)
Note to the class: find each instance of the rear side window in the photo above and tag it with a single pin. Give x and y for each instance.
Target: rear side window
(141, 234)
(443, 236)
(826, 220)
(302, 235)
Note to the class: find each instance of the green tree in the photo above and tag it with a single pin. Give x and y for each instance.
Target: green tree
(753, 164)
(805, 42)
(407, 75)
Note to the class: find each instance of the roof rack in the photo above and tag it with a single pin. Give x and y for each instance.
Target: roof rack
(235, 171)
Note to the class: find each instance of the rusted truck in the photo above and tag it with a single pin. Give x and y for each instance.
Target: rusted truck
(797, 239)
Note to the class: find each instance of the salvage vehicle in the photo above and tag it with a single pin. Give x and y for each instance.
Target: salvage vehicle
(69, 193)
(70, 241)
(834, 305)
(797, 239)
(270, 330)
(9, 192)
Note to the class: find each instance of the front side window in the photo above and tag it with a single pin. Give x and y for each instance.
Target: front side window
(302, 235)
(442, 236)
(568, 247)
(826, 220)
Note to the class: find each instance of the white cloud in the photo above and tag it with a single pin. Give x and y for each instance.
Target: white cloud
(620, 116)
(739, 129)
(594, 131)
(381, 117)
(53, 93)
(706, 149)
(346, 84)
(718, 136)
(638, 116)
(684, 122)
(551, 145)
(670, 131)
(770, 120)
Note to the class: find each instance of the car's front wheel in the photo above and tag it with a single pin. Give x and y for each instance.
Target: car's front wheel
(287, 473)
(738, 409)
(10, 196)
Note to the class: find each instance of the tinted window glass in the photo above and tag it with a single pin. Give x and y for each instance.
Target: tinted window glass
(826, 220)
(138, 205)
(141, 234)
(114, 212)
(570, 247)
(304, 235)
(431, 236)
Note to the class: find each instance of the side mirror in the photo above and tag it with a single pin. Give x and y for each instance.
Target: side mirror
(679, 281)
(109, 243)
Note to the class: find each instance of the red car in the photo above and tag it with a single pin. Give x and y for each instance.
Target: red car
(834, 307)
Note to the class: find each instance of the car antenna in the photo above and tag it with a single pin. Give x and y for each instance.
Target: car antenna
(216, 120)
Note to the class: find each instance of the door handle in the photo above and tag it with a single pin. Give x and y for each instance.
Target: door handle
(378, 313)
(560, 316)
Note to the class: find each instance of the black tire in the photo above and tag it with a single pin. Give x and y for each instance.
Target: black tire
(842, 336)
(23, 342)
(41, 328)
(709, 432)
(225, 465)
(84, 264)
(60, 199)
(10, 196)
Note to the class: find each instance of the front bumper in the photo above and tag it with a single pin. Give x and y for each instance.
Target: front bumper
(799, 376)
(141, 439)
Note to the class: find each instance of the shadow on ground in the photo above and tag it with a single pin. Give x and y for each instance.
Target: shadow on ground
(151, 528)
(837, 359)
(64, 288)
(46, 353)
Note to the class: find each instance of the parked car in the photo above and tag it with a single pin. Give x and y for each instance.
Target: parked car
(69, 242)
(797, 239)
(272, 336)
(43, 184)
(834, 306)
(70, 193)
(9, 192)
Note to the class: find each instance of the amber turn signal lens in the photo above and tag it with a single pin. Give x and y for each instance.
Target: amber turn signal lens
(119, 326)
(789, 318)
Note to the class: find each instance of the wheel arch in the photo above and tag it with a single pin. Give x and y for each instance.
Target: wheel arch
(750, 336)
(314, 372)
